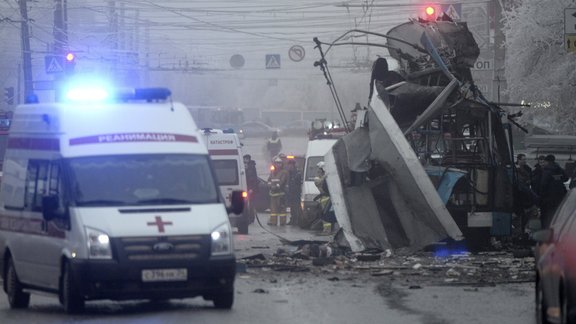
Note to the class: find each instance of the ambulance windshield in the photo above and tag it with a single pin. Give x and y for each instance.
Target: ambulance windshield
(153, 179)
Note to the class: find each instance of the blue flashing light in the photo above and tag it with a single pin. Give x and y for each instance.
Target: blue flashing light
(148, 94)
(228, 131)
(31, 99)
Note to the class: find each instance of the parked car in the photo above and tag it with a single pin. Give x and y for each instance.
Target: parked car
(556, 265)
(296, 127)
(256, 129)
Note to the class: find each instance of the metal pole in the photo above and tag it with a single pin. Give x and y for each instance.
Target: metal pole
(26, 54)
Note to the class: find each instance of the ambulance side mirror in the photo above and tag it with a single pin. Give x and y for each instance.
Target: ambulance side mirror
(236, 202)
(50, 206)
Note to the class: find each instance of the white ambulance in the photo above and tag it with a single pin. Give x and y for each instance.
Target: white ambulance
(112, 200)
(225, 150)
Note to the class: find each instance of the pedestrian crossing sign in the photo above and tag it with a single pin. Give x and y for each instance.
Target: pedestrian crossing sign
(272, 61)
(454, 11)
(53, 64)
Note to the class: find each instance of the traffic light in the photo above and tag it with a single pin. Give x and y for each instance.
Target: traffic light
(9, 95)
(430, 13)
(69, 62)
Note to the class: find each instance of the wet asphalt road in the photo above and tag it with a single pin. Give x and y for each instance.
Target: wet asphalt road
(323, 295)
(319, 296)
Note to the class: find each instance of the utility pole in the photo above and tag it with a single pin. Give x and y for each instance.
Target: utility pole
(499, 50)
(60, 46)
(26, 54)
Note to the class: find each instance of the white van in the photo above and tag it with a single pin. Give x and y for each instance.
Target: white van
(112, 200)
(225, 151)
(315, 152)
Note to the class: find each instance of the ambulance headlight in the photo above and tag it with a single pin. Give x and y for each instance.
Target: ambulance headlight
(98, 244)
(221, 240)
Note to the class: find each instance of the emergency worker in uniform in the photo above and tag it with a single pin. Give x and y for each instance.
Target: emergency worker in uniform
(328, 217)
(277, 181)
(274, 145)
(294, 192)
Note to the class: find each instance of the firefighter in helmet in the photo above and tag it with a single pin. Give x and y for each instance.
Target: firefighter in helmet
(277, 182)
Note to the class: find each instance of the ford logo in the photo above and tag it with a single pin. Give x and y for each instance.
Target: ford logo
(163, 247)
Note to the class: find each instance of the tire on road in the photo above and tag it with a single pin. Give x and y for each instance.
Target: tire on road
(72, 301)
(223, 300)
(16, 297)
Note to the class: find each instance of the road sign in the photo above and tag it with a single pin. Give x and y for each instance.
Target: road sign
(296, 53)
(237, 61)
(570, 21)
(53, 64)
(570, 43)
(454, 10)
(272, 61)
(483, 64)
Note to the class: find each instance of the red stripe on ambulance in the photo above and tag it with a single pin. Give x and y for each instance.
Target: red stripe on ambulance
(32, 226)
(132, 137)
(223, 152)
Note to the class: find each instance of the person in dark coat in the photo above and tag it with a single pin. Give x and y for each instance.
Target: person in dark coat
(537, 175)
(251, 174)
(525, 198)
(552, 189)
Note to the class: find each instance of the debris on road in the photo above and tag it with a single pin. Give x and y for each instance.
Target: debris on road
(414, 269)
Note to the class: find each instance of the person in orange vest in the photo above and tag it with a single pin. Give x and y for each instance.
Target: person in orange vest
(277, 182)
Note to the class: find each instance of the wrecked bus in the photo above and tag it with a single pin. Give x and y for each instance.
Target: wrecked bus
(442, 121)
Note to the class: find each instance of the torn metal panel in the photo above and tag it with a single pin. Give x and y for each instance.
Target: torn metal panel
(394, 203)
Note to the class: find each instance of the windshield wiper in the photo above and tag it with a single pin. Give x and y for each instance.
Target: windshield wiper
(101, 202)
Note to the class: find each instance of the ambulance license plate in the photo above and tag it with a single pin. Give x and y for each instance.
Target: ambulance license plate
(155, 275)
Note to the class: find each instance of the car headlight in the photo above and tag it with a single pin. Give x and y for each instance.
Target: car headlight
(222, 240)
(98, 244)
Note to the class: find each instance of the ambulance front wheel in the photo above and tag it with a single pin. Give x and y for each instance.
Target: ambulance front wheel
(72, 301)
(223, 300)
(16, 297)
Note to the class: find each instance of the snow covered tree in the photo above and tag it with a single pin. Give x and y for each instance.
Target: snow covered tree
(539, 70)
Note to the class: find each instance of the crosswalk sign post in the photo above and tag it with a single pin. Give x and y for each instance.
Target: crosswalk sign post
(53, 64)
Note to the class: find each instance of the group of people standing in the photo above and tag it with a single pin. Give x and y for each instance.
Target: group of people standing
(285, 182)
(542, 186)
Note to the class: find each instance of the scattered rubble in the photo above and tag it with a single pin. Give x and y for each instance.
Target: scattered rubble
(415, 269)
